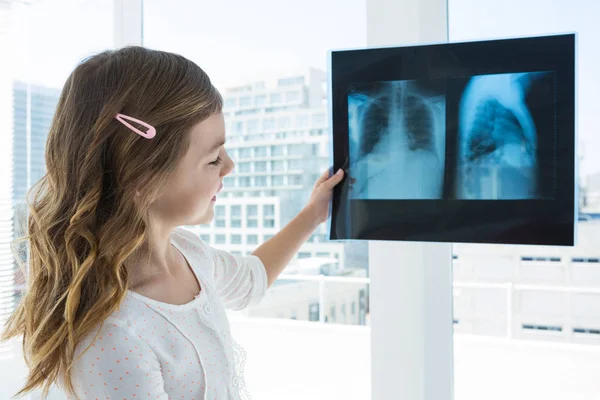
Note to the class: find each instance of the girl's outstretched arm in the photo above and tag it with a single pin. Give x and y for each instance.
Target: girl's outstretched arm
(277, 252)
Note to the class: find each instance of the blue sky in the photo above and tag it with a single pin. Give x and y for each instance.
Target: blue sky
(237, 41)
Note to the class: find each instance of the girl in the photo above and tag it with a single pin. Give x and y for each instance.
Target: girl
(121, 303)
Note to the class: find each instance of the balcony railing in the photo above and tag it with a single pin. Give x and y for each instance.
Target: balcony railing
(509, 288)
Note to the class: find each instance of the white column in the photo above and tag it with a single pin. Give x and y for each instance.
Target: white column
(128, 23)
(411, 283)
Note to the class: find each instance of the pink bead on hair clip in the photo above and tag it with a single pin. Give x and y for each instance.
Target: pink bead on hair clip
(149, 134)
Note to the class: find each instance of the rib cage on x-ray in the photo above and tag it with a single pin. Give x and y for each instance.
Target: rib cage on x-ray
(498, 139)
(397, 141)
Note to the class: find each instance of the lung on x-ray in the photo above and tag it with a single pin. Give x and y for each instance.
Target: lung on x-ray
(463, 142)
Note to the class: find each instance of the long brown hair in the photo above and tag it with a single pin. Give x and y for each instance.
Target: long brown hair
(87, 214)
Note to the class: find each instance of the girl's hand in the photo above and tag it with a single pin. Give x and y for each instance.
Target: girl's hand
(318, 205)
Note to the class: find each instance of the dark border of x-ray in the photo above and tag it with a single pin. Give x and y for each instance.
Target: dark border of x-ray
(532, 221)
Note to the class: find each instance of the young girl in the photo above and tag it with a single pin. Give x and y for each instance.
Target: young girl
(120, 302)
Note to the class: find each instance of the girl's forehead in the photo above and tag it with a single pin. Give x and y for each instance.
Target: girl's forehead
(207, 132)
(209, 135)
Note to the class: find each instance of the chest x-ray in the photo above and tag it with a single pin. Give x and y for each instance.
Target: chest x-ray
(464, 142)
(499, 138)
(397, 140)
(400, 147)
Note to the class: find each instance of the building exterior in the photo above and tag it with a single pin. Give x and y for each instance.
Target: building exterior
(278, 135)
(533, 292)
(6, 178)
(33, 110)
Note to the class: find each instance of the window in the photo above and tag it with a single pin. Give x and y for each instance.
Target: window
(297, 149)
(252, 239)
(236, 239)
(313, 312)
(319, 120)
(304, 254)
(585, 260)
(277, 165)
(236, 223)
(245, 101)
(229, 181)
(260, 181)
(543, 328)
(245, 153)
(252, 210)
(268, 124)
(275, 98)
(220, 222)
(269, 223)
(260, 100)
(267, 237)
(586, 331)
(236, 211)
(489, 19)
(260, 166)
(541, 259)
(260, 151)
(332, 317)
(244, 167)
(237, 127)
(277, 150)
(252, 223)
(269, 210)
(295, 179)
(284, 122)
(252, 126)
(296, 164)
(252, 48)
(277, 180)
(315, 149)
(302, 121)
(220, 239)
(323, 254)
(219, 211)
(230, 103)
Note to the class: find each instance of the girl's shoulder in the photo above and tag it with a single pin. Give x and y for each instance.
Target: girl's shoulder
(199, 254)
(187, 238)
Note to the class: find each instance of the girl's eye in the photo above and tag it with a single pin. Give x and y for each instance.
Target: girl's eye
(216, 162)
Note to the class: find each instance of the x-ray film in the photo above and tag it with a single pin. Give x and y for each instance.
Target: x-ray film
(463, 142)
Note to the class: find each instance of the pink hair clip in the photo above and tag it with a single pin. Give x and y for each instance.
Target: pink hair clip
(149, 134)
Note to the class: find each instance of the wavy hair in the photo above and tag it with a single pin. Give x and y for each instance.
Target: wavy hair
(88, 214)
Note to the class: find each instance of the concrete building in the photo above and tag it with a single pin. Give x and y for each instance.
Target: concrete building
(277, 132)
(533, 292)
(6, 178)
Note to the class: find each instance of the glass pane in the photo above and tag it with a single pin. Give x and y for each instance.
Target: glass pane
(260, 166)
(260, 151)
(263, 48)
(252, 210)
(533, 294)
(41, 42)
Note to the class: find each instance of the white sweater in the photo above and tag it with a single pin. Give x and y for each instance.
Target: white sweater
(154, 350)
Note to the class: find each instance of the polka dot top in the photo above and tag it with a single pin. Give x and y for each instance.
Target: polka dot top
(154, 350)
